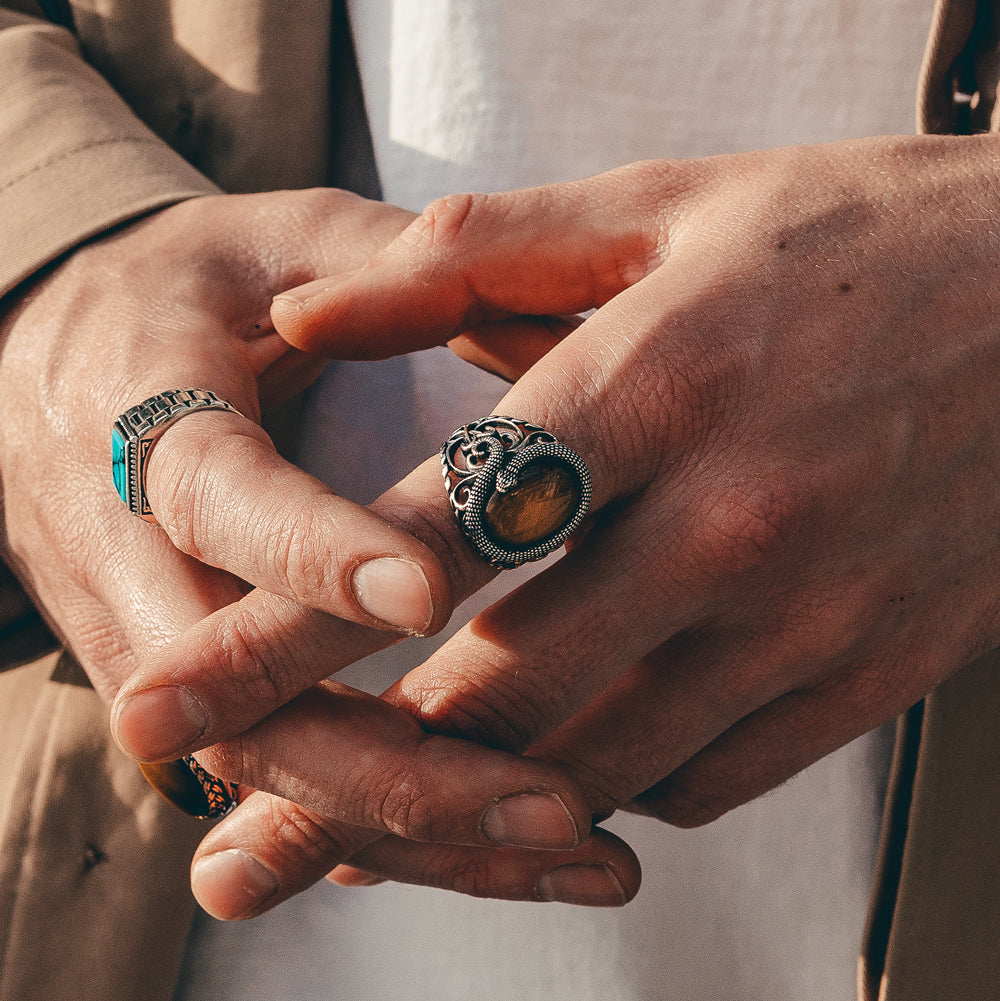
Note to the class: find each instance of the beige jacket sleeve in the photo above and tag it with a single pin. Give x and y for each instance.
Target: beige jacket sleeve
(934, 926)
(97, 127)
(94, 896)
(76, 160)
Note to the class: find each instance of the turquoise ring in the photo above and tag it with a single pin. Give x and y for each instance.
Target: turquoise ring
(135, 431)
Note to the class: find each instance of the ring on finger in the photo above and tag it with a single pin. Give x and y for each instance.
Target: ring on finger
(191, 788)
(516, 491)
(134, 433)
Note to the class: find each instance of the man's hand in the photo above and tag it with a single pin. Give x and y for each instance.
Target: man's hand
(787, 399)
(180, 299)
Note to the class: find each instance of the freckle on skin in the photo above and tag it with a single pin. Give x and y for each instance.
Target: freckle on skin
(782, 245)
(845, 286)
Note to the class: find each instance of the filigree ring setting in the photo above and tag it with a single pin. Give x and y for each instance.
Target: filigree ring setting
(517, 492)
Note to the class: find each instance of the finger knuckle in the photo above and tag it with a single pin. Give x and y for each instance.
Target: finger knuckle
(179, 501)
(751, 526)
(192, 500)
(448, 221)
(869, 692)
(491, 709)
(256, 658)
(302, 557)
(300, 835)
(407, 809)
(817, 635)
(232, 760)
(472, 873)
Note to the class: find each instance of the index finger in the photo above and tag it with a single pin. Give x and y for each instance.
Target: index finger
(470, 260)
(223, 494)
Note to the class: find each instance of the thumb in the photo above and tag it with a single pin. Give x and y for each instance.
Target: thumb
(473, 261)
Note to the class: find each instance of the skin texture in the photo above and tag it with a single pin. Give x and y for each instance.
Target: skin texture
(180, 298)
(175, 299)
(787, 400)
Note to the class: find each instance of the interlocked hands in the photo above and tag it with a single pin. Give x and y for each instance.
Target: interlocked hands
(787, 400)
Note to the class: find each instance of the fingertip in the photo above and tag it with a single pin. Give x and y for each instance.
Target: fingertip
(233, 884)
(300, 317)
(287, 316)
(349, 876)
(610, 877)
(395, 591)
(410, 587)
(158, 724)
(585, 884)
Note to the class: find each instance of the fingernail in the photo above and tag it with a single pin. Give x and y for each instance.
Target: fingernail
(159, 723)
(348, 876)
(530, 820)
(232, 884)
(395, 592)
(586, 884)
(293, 299)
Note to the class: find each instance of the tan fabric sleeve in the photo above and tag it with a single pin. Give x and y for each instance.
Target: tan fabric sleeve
(934, 927)
(94, 897)
(940, 934)
(76, 161)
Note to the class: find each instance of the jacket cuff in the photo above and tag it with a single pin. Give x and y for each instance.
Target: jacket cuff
(76, 160)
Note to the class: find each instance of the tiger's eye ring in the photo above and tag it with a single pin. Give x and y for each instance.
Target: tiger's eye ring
(517, 492)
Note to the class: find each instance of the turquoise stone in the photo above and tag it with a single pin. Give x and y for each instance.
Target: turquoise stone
(119, 467)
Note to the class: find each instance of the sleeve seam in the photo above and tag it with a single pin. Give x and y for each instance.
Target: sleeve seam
(66, 154)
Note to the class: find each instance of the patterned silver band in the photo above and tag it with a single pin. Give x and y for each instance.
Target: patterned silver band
(191, 788)
(221, 796)
(135, 431)
(516, 491)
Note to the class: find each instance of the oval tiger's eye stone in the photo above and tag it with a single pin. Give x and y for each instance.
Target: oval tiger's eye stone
(545, 497)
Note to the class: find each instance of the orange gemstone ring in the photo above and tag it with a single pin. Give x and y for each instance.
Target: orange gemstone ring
(517, 492)
(192, 789)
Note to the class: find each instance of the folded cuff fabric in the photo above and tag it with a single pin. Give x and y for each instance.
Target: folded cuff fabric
(91, 166)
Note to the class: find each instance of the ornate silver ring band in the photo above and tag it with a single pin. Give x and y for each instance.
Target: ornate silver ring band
(517, 492)
(135, 431)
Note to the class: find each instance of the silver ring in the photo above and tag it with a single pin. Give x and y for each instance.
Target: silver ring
(135, 431)
(517, 492)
